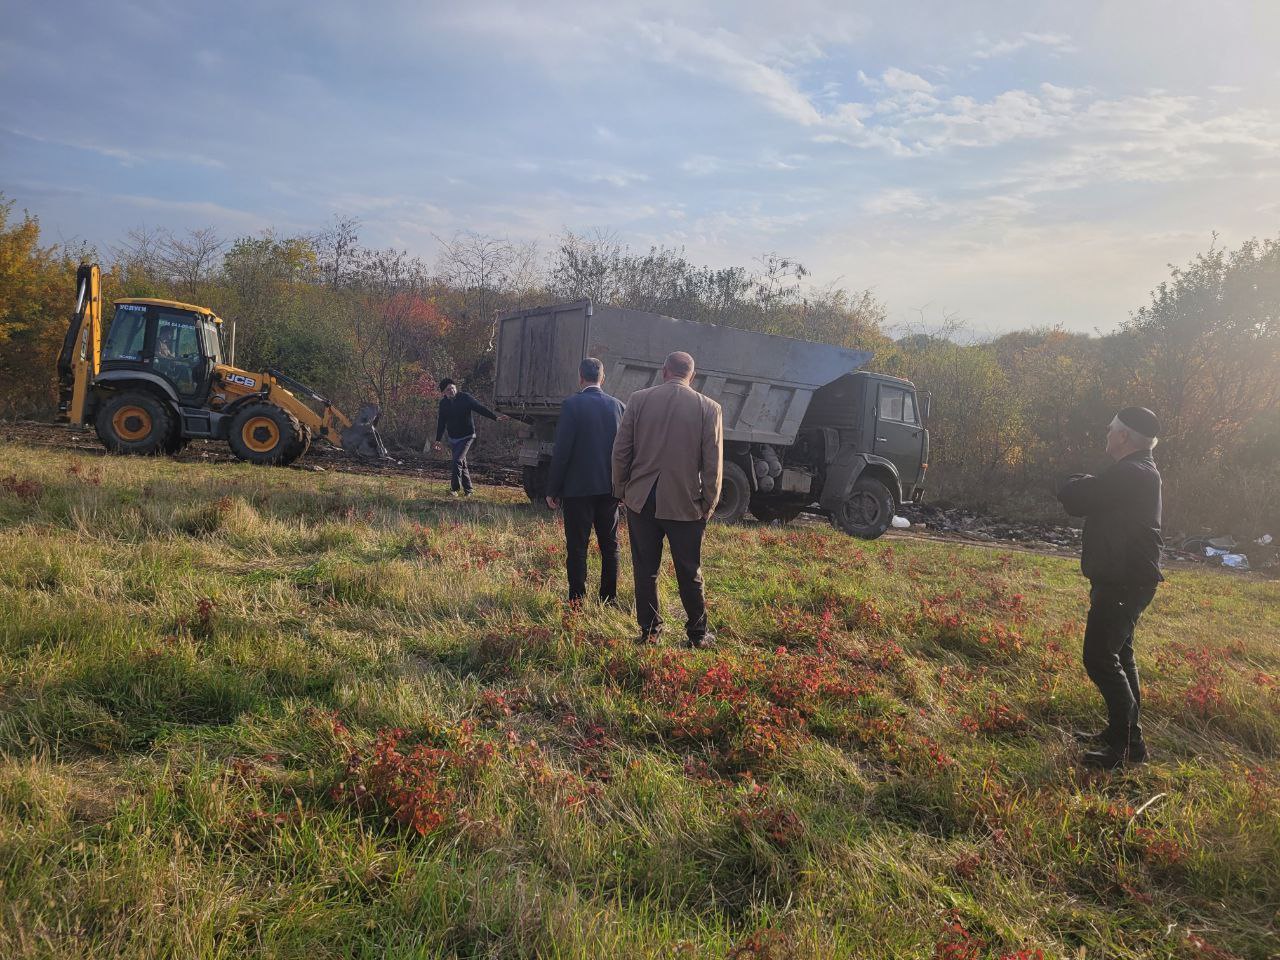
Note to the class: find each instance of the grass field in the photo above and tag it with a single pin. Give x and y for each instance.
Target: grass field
(278, 713)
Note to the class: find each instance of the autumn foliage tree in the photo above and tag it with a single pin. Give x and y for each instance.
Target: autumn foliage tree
(1010, 414)
(36, 290)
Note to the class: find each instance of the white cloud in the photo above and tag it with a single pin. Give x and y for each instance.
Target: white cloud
(618, 178)
(896, 79)
(701, 165)
(988, 49)
(716, 55)
(896, 200)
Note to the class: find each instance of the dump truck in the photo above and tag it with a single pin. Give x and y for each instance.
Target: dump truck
(161, 380)
(806, 430)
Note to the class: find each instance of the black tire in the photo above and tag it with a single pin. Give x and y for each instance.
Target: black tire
(867, 511)
(535, 480)
(135, 422)
(769, 512)
(263, 434)
(298, 449)
(175, 443)
(735, 494)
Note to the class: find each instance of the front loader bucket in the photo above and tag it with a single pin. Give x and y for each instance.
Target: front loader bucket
(361, 438)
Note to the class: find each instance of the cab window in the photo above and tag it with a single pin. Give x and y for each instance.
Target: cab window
(212, 343)
(909, 408)
(128, 333)
(898, 405)
(891, 399)
(176, 337)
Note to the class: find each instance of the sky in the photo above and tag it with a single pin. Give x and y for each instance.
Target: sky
(1005, 163)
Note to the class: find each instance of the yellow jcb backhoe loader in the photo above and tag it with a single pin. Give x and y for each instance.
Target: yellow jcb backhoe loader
(160, 381)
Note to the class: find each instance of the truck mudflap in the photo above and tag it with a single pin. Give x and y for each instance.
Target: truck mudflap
(844, 471)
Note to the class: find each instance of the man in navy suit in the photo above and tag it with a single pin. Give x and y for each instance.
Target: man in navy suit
(581, 480)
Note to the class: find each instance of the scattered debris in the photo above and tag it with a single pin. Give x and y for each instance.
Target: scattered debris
(1237, 561)
(900, 523)
(970, 525)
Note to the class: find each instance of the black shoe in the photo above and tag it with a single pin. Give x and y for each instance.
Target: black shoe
(648, 637)
(1112, 757)
(703, 642)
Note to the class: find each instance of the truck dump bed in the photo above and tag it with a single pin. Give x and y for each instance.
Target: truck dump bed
(763, 382)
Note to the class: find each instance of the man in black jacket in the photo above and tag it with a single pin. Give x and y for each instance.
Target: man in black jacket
(455, 419)
(1120, 557)
(581, 480)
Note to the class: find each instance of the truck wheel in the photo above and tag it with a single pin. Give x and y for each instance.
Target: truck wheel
(534, 480)
(867, 511)
(299, 448)
(263, 433)
(769, 512)
(135, 422)
(735, 494)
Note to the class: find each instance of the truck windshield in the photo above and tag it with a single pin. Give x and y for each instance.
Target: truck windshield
(212, 343)
(128, 333)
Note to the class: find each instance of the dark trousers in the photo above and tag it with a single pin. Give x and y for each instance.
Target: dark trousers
(460, 476)
(685, 536)
(581, 516)
(1114, 610)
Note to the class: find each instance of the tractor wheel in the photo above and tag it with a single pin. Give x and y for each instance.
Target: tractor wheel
(735, 494)
(135, 422)
(534, 480)
(263, 433)
(175, 443)
(769, 512)
(298, 449)
(867, 511)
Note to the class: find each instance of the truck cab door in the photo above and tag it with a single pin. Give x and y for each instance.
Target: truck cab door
(899, 434)
(178, 355)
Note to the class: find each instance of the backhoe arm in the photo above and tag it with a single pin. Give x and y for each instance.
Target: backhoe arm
(81, 354)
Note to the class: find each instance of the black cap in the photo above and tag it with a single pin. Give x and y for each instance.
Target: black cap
(1140, 420)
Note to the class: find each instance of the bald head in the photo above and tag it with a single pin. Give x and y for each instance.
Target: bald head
(678, 366)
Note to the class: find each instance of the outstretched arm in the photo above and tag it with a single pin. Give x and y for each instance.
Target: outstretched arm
(484, 411)
(1082, 493)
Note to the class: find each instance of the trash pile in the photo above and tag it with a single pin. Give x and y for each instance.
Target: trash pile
(966, 524)
(1260, 554)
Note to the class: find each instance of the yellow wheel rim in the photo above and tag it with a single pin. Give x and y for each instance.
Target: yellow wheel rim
(260, 434)
(131, 423)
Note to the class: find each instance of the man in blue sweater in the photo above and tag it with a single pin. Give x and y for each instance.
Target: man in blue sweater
(455, 420)
(580, 481)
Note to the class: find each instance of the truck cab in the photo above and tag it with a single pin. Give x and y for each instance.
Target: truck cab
(173, 345)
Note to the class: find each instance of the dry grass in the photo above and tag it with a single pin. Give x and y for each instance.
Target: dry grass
(277, 713)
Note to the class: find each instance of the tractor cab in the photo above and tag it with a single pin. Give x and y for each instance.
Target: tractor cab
(177, 342)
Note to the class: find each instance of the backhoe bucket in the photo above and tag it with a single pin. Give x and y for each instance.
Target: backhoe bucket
(361, 438)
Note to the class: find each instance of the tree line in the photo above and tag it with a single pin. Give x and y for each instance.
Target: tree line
(1011, 413)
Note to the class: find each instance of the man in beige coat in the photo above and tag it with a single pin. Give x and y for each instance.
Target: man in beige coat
(668, 461)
